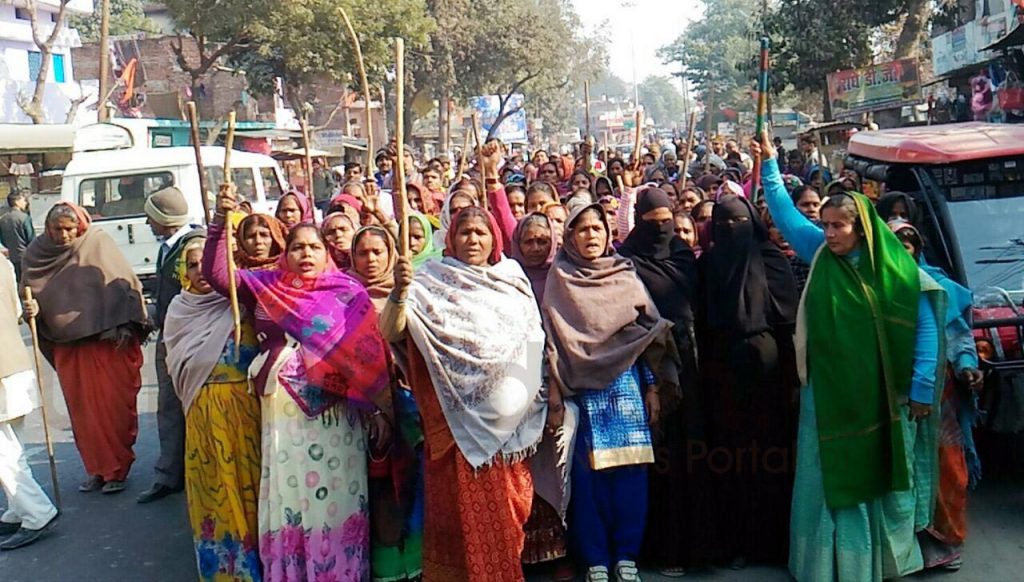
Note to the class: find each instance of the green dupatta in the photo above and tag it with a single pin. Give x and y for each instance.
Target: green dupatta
(428, 252)
(861, 321)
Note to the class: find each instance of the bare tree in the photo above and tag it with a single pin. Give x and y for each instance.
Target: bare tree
(33, 107)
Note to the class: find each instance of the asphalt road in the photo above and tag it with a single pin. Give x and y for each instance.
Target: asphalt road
(112, 539)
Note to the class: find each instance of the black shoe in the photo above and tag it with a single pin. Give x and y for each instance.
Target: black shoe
(7, 529)
(156, 492)
(26, 537)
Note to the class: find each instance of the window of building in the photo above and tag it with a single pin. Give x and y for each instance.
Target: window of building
(58, 68)
(35, 62)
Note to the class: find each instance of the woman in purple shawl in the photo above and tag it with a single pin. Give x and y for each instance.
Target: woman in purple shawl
(534, 248)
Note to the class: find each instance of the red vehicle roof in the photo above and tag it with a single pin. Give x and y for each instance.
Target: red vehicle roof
(939, 144)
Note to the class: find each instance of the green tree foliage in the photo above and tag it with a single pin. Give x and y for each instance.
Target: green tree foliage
(663, 101)
(126, 18)
(612, 87)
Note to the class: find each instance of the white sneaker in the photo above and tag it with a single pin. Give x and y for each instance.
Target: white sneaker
(597, 574)
(626, 571)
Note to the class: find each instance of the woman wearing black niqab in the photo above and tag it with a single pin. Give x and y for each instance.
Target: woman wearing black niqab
(678, 499)
(747, 306)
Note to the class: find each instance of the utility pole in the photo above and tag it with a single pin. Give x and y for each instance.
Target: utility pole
(101, 106)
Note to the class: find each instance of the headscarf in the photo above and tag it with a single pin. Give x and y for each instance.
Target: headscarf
(85, 288)
(791, 182)
(441, 234)
(887, 201)
(748, 284)
(665, 264)
(333, 320)
(492, 224)
(303, 201)
(960, 298)
(600, 319)
(243, 259)
(348, 203)
(380, 286)
(858, 326)
(479, 332)
(605, 180)
(429, 252)
(342, 258)
(429, 206)
(538, 274)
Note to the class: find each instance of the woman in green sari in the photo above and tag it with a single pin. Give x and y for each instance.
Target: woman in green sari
(868, 345)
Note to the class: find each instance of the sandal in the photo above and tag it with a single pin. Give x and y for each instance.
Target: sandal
(597, 574)
(626, 571)
(112, 487)
(93, 483)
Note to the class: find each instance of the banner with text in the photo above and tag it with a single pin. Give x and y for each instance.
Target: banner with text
(885, 86)
(512, 128)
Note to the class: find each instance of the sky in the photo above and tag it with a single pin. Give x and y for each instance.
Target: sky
(649, 24)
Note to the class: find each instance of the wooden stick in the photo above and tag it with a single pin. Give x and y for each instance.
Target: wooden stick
(42, 400)
(462, 158)
(708, 112)
(193, 119)
(691, 137)
(480, 157)
(586, 108)
(399, 182)
(366, 91)
(229, 236)
(762, 110)
(638, 140)
(304, 124)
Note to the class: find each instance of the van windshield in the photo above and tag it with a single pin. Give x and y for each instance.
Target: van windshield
(991, 235)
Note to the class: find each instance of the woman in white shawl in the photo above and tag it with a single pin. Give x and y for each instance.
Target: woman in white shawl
(475, 343)
(222, 424)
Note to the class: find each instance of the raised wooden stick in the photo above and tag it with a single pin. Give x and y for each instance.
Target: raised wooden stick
(366, 91)
(638, 141)
(462, 158)
(762, 113)
(42, 400)
(399, 182)
(479, 157)
(708, 112)
(229, 236)
(193, 119)
(690, 139)
(304, 124)
(586, 108)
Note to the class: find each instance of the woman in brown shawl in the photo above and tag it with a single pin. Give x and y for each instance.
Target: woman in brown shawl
(611, 351)
(91, 319)
(260, 242)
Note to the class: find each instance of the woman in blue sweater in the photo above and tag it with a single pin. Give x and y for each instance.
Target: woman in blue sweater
(868, 344)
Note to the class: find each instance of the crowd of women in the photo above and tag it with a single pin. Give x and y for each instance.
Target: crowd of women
(579, 360)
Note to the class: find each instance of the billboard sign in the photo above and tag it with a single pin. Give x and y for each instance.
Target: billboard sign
(513, 128)
(885, 86)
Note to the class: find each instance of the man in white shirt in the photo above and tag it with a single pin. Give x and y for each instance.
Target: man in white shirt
(30, 513)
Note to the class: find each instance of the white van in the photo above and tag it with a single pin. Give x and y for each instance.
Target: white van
(113, 185)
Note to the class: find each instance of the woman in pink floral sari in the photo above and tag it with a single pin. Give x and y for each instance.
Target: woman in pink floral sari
(322, 379)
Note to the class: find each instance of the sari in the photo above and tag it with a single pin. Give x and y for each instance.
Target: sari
(87, 292)
(482, 407)
(322, 363)
(222, 434)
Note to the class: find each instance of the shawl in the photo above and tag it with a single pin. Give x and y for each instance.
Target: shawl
(860, 315)
(538, 274)
(429, 252)
(747, 281)
(380, 286)
(342, 257)
(333, 320)
(665, 264)
(600, 319)
(303, 201)
(195, 331)
(426, 198)
(84, 288)
(277, 235)
(488, 384)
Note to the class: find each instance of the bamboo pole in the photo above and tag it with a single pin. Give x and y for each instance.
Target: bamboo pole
(462, 158)
(366, 91)
(42, 401)
(229, 236)
(479, 157)
(638, 140)
(399, 182)
(762, 109)
(308, 164)
(193, 119)
(690, 138)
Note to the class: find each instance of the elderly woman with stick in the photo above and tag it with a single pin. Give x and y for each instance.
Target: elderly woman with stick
(869, 343)
(322, 378)
(91, 321)
(480, 397)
